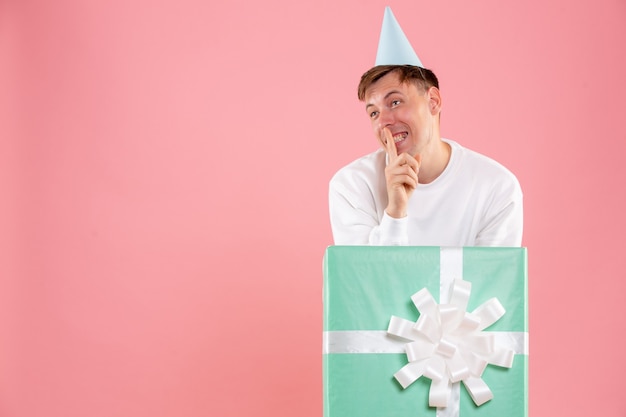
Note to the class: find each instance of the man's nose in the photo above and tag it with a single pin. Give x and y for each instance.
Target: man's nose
(386, 118)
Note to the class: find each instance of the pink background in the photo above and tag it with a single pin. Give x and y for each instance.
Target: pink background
(163, 192)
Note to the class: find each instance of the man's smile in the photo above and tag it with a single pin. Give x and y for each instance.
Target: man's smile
(399, 137)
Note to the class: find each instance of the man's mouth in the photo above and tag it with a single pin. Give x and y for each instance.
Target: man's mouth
(399, 137)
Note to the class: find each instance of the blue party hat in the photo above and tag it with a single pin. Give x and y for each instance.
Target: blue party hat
(393, 46)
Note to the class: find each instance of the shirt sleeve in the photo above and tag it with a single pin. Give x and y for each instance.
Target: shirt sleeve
(504, 223)
(355, 221)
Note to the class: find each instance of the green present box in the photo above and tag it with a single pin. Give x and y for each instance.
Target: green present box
(364, 286)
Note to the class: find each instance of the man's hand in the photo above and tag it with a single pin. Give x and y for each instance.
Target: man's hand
(401, 175)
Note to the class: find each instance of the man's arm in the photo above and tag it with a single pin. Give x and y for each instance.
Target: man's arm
(354, 220)
(505, 224)
(355, 202)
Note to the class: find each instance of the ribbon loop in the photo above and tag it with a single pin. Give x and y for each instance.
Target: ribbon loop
(439, 393)
(428, 327)
(424, 302)
(451, 316)
(402, 328)
(410, 372)
(458, 368)
(435, 369)
(489, 312)
(417, 351)
(478, 390)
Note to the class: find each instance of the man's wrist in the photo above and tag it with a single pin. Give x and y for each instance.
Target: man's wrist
(395, 212)
(393, 231)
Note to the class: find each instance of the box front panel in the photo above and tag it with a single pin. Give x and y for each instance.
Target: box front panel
(364, 286)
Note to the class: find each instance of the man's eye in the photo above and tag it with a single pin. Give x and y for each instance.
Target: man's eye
(373, 114)
(395, 103)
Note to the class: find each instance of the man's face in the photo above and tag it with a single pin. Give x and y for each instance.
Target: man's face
(405, 110)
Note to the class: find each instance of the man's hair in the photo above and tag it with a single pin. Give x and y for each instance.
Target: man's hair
(422, 78)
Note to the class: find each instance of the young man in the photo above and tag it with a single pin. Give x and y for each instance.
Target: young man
(419, 189)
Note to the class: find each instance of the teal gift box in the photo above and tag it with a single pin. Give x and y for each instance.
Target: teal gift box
(364, 286)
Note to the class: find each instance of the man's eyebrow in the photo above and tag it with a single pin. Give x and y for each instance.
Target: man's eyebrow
(367, 106)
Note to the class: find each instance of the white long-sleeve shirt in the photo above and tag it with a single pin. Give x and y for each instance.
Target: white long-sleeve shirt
(474, 202)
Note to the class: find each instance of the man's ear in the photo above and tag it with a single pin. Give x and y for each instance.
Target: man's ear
(434, 100)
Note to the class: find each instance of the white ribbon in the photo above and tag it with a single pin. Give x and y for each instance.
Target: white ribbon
(447, 344)
(378, 341)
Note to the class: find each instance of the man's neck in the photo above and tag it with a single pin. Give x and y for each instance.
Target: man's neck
(435, 162)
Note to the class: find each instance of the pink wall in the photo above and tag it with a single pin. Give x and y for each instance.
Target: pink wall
(163, 179)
